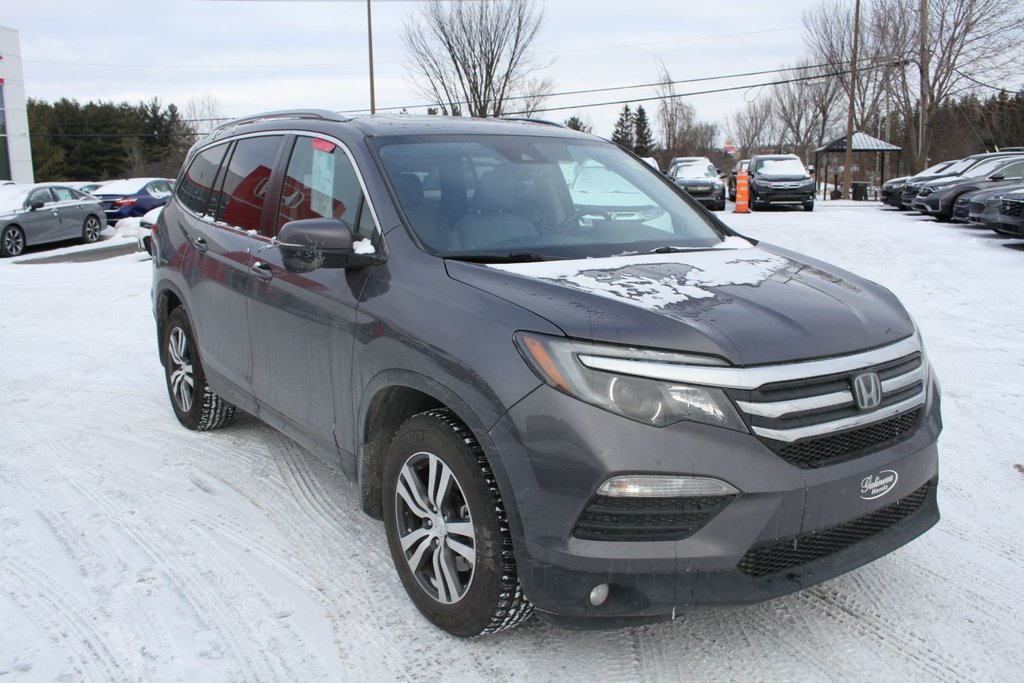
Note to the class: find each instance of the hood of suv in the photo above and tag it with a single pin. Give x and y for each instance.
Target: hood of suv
(749, 306)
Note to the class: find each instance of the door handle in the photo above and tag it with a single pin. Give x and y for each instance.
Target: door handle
(200, 244)
(261, 270)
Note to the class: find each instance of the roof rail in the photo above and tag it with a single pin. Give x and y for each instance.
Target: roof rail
(319, 114)
(524, 119)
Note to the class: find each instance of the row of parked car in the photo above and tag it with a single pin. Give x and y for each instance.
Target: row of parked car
(775, 179)
(40, 213)
(982, 189)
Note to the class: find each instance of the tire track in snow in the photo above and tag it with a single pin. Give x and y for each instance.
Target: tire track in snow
(67, 623)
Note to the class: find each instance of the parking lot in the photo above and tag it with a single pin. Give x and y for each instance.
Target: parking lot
(133, 549)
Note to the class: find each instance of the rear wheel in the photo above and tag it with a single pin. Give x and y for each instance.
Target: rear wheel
(12, 241)
(194, 403)
(447, 530)
(91, 230)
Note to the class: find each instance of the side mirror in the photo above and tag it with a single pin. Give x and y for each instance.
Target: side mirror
(315, 243)
(998, 176)
(35, 206)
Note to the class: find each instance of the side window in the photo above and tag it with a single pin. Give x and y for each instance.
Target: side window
(159, 189)
(197, 183)
(321, 183)
(1013, 171)
(64, 194)
(247, 180)
(41, 195)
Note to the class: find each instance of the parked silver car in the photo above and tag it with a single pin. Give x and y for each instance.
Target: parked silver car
(46, 212)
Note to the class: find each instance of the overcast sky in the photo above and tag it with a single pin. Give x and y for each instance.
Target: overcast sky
(262, 55)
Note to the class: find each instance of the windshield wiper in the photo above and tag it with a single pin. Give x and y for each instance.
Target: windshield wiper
(498, 256)
(668, 249)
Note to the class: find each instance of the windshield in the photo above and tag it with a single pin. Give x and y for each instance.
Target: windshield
(959, 167)
(695, 169)
(781, 167)
(936, 169)
(509, 197)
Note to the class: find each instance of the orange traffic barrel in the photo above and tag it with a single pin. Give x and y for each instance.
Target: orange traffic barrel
(742, 192)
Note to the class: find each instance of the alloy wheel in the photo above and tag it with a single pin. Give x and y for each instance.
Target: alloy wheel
(435, 528)
(180, 369)
(92, 229)
(14, 242)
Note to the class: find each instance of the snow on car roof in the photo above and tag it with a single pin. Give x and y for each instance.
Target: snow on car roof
(123, 186)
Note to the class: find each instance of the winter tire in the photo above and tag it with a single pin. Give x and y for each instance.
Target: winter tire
(447, 530)
(194, 403)
(91, 230)
(808, 206)
(12, 242)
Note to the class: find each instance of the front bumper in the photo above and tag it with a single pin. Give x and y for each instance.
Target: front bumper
(784, 196)
(555, 465)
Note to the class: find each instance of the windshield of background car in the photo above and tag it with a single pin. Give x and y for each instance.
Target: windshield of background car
(782, 167)
(697, 170)
(537, 198)
(936, 169)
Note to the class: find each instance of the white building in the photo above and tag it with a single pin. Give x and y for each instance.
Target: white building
(15, 148)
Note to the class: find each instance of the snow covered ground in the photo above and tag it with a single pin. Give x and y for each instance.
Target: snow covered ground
(132, 549)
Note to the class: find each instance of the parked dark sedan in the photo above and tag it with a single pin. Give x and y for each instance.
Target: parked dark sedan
(46, 212)
(936, 198)
(957, 168)
(132, 197)
(983, 206)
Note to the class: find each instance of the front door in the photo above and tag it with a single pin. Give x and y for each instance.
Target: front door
(302, 325)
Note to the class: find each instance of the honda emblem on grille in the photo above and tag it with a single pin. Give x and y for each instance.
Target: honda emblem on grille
(867, 390)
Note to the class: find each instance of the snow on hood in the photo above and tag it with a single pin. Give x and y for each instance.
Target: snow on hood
(675, 278)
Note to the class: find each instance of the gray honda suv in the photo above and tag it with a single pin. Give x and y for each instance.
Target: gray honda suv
(598, 404)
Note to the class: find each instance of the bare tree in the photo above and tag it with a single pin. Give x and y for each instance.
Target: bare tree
(965, 44)
(201, 115)
(533, 92)
(681, 132)
(805, 110)
(472, 53)
(753, 127)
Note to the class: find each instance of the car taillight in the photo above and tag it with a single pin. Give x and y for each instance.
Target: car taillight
(126, 201)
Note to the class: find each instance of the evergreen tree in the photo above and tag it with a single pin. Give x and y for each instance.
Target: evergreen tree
(643, 138)
(576, 123)
(623, 133)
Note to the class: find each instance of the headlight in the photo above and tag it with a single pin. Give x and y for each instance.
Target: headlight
(556, 361)
(925, 191)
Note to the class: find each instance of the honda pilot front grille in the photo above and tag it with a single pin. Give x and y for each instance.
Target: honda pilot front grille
(646, 519)
(820, 420)
(781, 556)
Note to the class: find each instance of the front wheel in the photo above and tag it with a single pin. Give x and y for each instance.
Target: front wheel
(91, 230)
(447, 530)
(195, 405)
(12, 241)
(809, 206)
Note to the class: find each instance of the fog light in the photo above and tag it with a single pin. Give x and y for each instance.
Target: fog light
(653, 486)
(599, 595)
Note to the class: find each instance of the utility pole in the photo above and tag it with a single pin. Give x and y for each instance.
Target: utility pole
(369, 42)
(922, 131)
(848, 160)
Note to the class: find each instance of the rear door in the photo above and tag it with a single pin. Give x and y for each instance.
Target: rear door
(225, 216)
(302, 325)
(72, 211)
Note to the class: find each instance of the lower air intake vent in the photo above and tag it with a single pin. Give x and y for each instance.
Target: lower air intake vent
(646, 519)
(784, 555)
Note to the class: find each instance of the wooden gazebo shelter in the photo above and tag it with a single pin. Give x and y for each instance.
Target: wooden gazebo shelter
(861, 143)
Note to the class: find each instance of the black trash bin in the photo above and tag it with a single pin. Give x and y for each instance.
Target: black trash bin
(860, 192)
